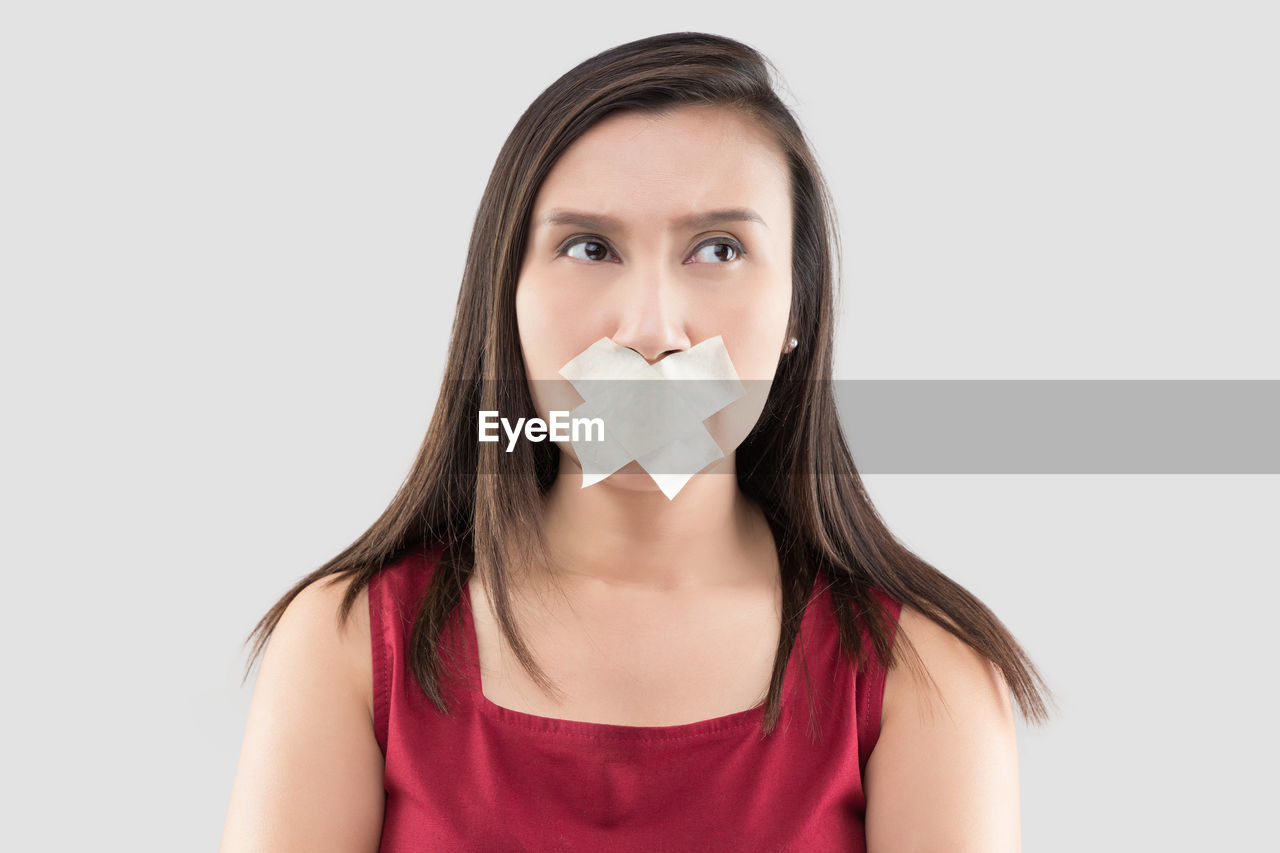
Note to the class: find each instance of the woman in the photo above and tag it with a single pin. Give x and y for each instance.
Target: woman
(508, 660)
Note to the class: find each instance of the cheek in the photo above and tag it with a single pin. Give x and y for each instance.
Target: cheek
(546, 329)
(538, 322)
(754, 331)
(754, 334)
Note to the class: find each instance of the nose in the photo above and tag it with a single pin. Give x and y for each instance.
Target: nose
(649, 316)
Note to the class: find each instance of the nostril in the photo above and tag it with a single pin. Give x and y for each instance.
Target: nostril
(657, 358)
(646, 357)
(664, 355)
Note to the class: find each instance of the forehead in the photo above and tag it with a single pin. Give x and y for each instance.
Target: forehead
(634, 164)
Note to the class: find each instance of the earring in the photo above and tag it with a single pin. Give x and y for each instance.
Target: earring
(792, 344)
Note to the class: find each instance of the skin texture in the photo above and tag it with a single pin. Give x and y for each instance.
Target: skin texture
(310, 771)
(655, 612)
(944, 773)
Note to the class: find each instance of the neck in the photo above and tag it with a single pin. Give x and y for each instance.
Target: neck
(624, 531)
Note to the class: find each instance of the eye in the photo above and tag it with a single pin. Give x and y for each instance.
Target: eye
(587, 249)
(717, 252)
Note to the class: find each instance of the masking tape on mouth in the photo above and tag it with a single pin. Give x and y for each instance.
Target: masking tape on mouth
(656, 422)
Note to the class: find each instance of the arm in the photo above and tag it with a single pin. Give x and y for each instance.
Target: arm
(943, 777)
(310, 770)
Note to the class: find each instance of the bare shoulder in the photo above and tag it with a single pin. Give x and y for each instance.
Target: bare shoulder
(944, 771)
(313, 619)
(961, 675)
(310, 770)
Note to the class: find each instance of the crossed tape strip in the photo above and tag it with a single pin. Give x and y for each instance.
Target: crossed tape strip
(653, 422)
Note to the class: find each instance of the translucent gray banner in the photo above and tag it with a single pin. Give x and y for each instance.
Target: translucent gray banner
(1062, 426)
(989, 426)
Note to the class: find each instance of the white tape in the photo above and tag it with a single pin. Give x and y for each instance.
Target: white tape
(657, 421)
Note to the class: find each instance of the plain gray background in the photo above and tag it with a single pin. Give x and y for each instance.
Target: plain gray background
(232, 236)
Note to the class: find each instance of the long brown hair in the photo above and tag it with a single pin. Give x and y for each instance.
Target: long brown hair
(482, 506)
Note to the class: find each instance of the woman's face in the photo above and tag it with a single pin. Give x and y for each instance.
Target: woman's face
(660, 231)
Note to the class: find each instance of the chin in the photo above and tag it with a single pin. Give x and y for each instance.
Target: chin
(633, 478)
(629, 478)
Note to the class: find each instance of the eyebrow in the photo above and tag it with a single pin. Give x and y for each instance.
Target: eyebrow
(602, 222)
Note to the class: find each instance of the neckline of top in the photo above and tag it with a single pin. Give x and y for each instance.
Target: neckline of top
(723, 724)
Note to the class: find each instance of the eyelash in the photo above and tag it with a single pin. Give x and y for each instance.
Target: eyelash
(588, 238)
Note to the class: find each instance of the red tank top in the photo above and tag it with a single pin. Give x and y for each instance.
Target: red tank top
(489, 778)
